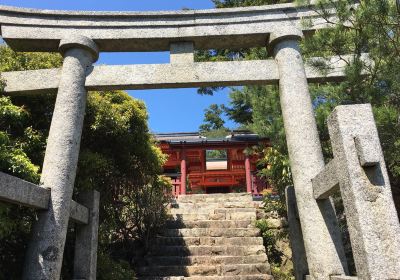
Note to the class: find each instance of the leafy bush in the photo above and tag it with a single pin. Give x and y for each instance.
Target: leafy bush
(280, 261)
(107, 268)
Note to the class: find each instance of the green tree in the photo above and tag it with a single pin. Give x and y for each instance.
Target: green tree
(374, 28)
(257, 109)
(212, 119)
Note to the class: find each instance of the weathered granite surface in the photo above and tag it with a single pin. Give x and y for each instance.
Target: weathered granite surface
(255, 72)
(365, 188)
(182, 53)
(45, 251)
(322, 239)
(326, 182)
(299, 256)
(79, 213)
(17, 191)
(27, 29)
(214, 244)
(85, 257)
(343, 277)
(337, 277)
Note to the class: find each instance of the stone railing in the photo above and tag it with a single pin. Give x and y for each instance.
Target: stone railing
(358, 170)
(359, 173)
(84, 214)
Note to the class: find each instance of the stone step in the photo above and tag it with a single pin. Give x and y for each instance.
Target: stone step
(186, 211)
(209, 237)
(209, 224)
(203, 250)
(206, 260)
(237, 215)
(235, 277)
(219, 210)
(192, 241)
(213, 205)
(235, 210)
(215, 197)
(194, 216)
(212, 232)
(220, 215)
(203, 270)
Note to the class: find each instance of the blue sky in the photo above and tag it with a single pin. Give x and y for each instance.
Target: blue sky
(170, 110)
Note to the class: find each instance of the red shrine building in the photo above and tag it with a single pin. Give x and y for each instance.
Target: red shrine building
(197, 164)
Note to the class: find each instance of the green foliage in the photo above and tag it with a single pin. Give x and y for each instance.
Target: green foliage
(276, 240)
(388, 122)
(16, 61)
(14, 160)
(277, 171)
(116, 129)
(257, 109)
(270, 239)
(216, 133)
(216, 154)
(212, 118)
(281, 266)
(243, 3)
(112, 269)
(136, 215)
(279, 274)
(15, 222)
(118, 158)
(13, 148)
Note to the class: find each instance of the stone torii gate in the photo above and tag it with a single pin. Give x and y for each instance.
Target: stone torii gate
(80, 36)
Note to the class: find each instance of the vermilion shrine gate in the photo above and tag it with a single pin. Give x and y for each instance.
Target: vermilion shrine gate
(358, 168)
(189, 162)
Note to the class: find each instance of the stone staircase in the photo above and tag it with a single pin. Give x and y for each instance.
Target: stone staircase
(210, 236)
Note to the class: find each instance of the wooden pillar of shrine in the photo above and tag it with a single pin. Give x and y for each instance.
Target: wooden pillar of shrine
(248, 174)
(183, 174)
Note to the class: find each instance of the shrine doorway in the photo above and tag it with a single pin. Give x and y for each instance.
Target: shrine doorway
(218, 189)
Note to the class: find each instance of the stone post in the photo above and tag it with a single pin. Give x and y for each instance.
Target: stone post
(248, 174)
(85, 258)
(322, 238)
(299, 256)
(181, 53)
(367, 198)
(45, 251)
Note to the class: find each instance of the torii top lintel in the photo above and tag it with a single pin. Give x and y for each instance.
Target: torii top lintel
(41, 30)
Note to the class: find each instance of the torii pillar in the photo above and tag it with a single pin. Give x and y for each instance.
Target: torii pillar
(45, 252)
(322, 238)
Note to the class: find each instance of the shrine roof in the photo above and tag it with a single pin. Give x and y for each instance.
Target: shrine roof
(235, 136)
(179, 136)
